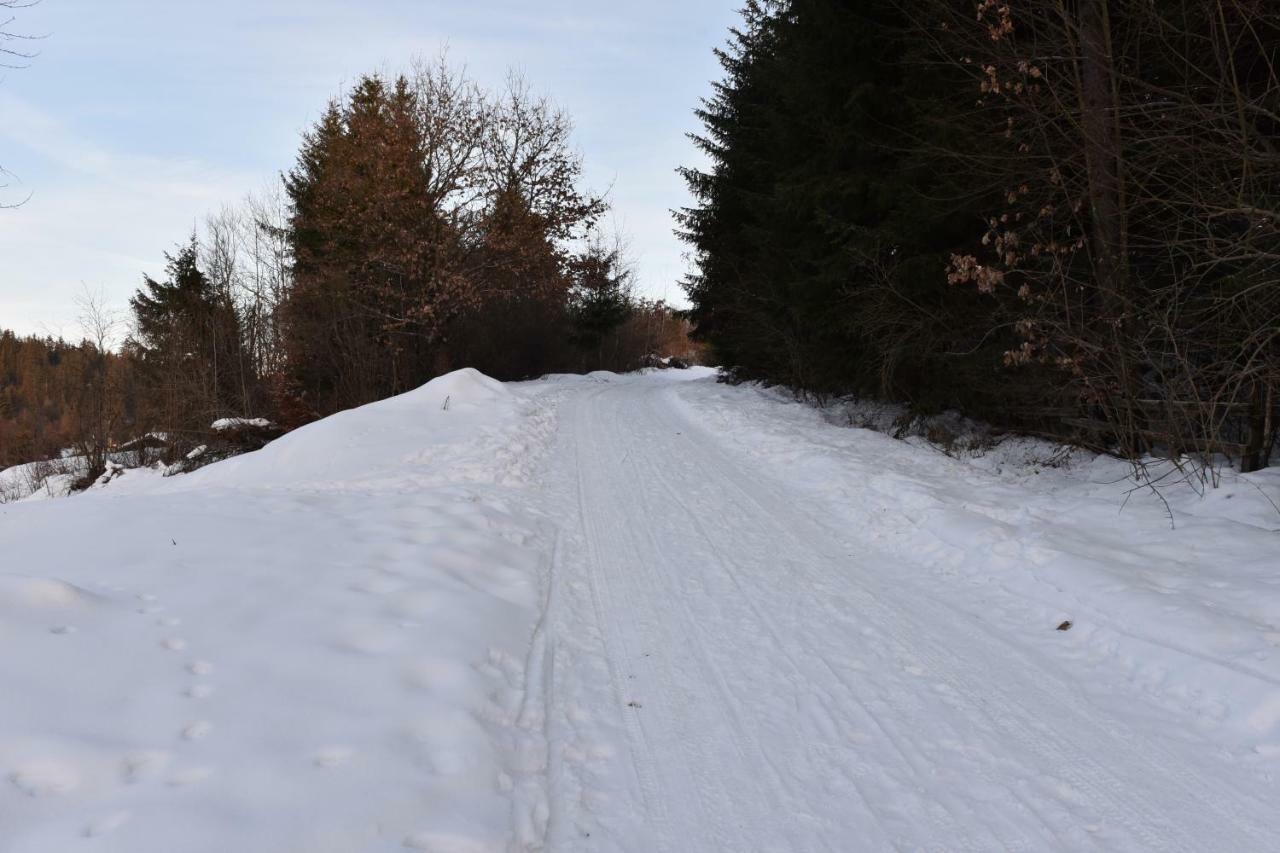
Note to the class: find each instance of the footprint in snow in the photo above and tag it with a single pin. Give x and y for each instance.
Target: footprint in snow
(199, 691)
(441, 842)
(106, 825)
(197, 730)
(190, 776)
(332, 756)
(47, 778)
(140, 766)
(200, 667)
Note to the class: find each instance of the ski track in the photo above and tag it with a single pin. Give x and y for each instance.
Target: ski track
(772, 683)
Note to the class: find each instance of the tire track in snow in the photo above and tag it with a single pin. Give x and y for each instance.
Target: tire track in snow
(610, 535)
(948, 825)
(796, 677)
(615, 649)
(1146, 820)
(754, 616)
(730, 702)
(946, 822)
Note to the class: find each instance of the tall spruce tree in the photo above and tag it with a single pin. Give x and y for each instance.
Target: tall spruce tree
(187, 346)
(369, 250)
(823, 227)
(600, 300)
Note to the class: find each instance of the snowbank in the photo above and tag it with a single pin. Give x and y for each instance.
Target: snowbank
(38, 480)
(315, 647)
(404, 440)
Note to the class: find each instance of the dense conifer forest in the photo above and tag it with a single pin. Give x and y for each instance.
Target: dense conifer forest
(1059, 218)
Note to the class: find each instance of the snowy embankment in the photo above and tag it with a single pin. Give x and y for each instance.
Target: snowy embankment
(316, 647)
(46, 479)
(1176, 595)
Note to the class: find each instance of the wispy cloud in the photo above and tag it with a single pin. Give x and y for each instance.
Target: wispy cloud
(139, 117)
(96, 216)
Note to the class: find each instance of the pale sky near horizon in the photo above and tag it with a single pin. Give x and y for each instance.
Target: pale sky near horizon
(140, 117)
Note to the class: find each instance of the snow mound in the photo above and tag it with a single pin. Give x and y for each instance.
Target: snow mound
(318, 646)
(467, 386)
(38, 480)
(20, 591)
(390, 439)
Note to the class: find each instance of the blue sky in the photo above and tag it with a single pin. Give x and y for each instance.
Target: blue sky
(139, 117)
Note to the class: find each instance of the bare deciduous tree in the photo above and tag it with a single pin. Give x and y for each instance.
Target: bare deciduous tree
(100, 394)
(16, 50)
(1138, 145)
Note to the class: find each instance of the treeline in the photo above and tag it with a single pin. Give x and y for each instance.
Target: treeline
(1062, 218)
(433, 226)
(427, 225)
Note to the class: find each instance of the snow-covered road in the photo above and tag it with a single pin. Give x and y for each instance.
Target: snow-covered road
(733, 668)
(636, 614)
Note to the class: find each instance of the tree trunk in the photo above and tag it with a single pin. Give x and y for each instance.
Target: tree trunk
(1103, 156)
(1257, 447)
(1269, 426)
(1104, 159)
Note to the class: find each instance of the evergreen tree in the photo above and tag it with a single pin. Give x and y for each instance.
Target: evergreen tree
(823, 228)
(371, 253)
(600, 300)
(726, 311)
(187, 346)
(431, 228)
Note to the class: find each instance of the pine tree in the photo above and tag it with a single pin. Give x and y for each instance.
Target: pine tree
(371, 286)
(600, 300)
(726, 311)
(187, 346)
(823, 228)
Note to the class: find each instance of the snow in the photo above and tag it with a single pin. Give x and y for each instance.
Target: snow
(37, 480)
(261, 656)
(224, 424)
(1073, 540)
(637, 613)
(769, 632)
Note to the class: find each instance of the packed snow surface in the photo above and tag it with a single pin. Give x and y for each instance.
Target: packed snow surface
(637, 613)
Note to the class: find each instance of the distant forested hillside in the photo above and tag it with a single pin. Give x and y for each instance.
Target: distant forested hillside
(49, 395)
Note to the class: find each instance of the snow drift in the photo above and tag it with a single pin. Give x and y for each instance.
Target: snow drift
(384, 440)
(315, 647)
